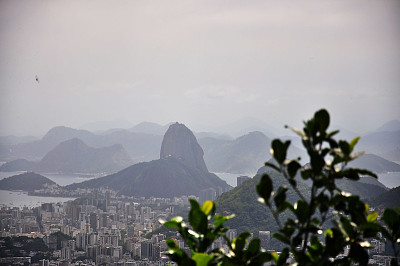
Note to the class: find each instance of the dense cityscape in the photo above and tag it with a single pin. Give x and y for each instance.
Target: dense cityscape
(101, 228)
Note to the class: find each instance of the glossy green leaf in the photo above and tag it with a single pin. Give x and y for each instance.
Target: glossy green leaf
(391, 219)
(219, 220)
(265, 187)
(283, 257)
(353, 143)
(207, 207)
(171, 243)
(273, 166)
(280, 196)
(358, 254)
(197, 219)
(281, 238)
(345, 147)
(292, 168)
(202, 259)
(254, 246)
(372, 216)
(301, 210)
(321, 117)
(279, 150)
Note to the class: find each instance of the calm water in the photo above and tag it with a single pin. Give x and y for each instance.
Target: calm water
(21, 199)
(60, 179)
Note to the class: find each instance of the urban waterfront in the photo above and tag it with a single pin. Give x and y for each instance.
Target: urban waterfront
(21, 199)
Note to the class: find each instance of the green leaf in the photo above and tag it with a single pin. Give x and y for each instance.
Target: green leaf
(283, 257)
(292, 168)
(171, 243)
(172, 224)
(358, 253)
(279, 150)
(391, 219)
(197, 219)
(353, 143)
(281, 238)
(254, 246)
(194, 204)
(345, 147)
(175, 222)
(265, 187)
(202, 259)
(367, 172)
(346, 227)
(239, 242)
(207, 207)
(321, 117)
(317, 163)
(301, 210)
(372, 216)
(331, 134)
(280, 197)
(273, 166)
(219, 220)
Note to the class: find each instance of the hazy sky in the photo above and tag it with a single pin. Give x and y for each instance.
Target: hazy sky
(197, 62)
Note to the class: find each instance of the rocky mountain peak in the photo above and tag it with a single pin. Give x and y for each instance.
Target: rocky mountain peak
(180, 142)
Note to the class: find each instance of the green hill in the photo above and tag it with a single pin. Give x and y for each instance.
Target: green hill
(251, 215)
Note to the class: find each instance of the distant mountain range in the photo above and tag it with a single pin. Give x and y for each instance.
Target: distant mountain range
(375, 164)
(244, 154)
(381, 143)
(26, 182)
(179, 171)
(140, 146)
(150, 128)
(393, 125)
(74, 156)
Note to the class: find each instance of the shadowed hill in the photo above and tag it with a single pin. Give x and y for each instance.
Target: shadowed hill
(28, 182)
(389, 199)
(167, 177)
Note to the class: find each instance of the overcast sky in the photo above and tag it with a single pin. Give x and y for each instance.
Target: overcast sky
(197, 62)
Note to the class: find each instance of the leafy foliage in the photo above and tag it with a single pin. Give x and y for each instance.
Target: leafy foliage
(320, 226)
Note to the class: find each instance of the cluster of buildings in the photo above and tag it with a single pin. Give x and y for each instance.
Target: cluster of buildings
(100, 229)
(103, 229)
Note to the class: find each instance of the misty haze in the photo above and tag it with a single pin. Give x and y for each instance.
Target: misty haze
(114, 115)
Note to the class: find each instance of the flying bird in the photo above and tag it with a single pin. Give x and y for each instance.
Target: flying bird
(37, 79)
